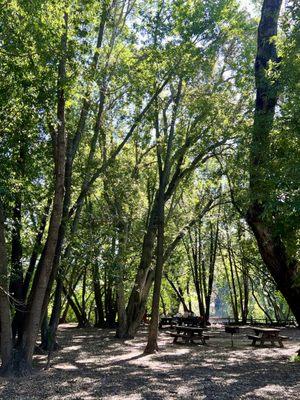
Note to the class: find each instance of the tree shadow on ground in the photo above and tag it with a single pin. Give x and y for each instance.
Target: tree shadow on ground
(93, 365)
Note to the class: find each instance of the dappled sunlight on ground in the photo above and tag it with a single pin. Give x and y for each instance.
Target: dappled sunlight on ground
(92, 365)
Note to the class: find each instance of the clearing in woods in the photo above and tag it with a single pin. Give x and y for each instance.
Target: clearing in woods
(92, 364)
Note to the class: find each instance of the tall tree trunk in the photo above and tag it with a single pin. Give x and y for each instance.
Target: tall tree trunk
(194, 254)
(164, 174)
(49, 342)
(152, 345)
(245, 279)
(212, 263)
(123, 232)
(16, 276)
(144, 277)
(20, 314)
(234, 291)
(32, 323)
(22, 311)
(5, 317)
(72, 147)
(36, 248)
(83, 291)
(99, 320)
(54, 319)
(233, 303)
(282, 267)
(16, 280)
(121, 307)
(110, 305)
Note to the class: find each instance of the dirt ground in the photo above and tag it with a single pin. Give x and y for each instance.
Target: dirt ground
(92, 364)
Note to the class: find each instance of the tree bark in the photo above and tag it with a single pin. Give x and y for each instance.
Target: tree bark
(49, 342)
(120, 292)
(5, 317)
(152, 345)
(282, 267)
(214, 237)
(143, 280)
(36, 249)
(99, 319)
(16, 279)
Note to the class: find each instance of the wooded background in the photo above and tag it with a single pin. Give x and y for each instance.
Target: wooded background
(141, 142)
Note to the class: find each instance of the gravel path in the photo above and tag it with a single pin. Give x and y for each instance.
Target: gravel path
(93, 365)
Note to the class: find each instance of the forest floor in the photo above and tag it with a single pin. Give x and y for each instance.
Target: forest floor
(92, 364)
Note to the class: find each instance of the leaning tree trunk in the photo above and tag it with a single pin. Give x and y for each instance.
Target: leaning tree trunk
(24, 354)
(36, 248)
(282, 267)
(178, 292)
(72, 147)
(49, 342)
(20, 313)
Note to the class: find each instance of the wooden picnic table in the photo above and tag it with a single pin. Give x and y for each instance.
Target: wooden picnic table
(189, 334)
(263, 335)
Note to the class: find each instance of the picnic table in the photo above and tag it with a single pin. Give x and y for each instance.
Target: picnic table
(189, 334)
(263, 335)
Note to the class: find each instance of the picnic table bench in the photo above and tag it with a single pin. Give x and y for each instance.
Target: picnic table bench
(189, 334)
(263, 335)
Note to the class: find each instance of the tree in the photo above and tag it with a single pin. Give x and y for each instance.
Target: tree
(5, 317)
(262, 216)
